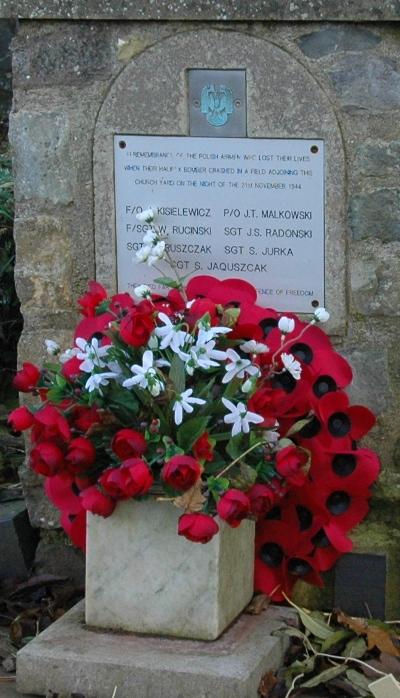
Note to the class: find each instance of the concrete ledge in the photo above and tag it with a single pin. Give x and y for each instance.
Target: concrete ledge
(69, 657)
(264, 10)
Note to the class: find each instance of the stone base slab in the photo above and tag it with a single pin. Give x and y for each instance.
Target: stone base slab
(70, 657)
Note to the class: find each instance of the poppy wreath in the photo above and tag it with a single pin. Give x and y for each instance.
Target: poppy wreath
(202, 397)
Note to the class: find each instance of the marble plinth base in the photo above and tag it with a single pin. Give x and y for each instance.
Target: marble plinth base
(142, 577)
(70, 658)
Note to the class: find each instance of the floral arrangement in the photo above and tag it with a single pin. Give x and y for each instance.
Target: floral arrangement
(204, 398)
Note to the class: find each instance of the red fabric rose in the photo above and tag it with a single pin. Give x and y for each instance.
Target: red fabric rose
(203, 448)
(98, 503)
(20, 419)
(262, 499)
(132, 479)
(81, 453)
(85, 417)
(127, 443)
(27, 378)
(70, 369)
(233, 507)
(46, 458)
(181, 472)
(89, 302)
(49, 423)
(198, 527)
(290, 463)
(135, 328)
(90, 326)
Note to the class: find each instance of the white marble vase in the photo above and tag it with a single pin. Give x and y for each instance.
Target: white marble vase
(144, 578)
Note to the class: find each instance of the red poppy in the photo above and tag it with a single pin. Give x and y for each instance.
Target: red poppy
(94, 326)
(63, 493)
(74, 526)
(121, 302)
(282, 556)
(90, 300)
(341, 421)
(352, 466)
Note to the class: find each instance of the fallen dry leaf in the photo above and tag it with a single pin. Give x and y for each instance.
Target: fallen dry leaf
(192, 500)
(378, 635)
(258, 603)
(267, 683)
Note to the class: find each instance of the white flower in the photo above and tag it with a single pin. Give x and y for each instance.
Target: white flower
(249, 384)
(145, 376)
(146, 216)
(291, 365)
(253, 347)
(144, 253)
(238, 367)
(67, 355)
(171, 336)
(151, 237)
(184, 403)
(97, 379)
(286, 324)
(52, 347)
(206, 333)
(142, 291)
(91, 354)
(240, 417)
(156, 253)
(321, 315)
(203, 356)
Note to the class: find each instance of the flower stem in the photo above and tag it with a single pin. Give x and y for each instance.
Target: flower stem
(242, 455)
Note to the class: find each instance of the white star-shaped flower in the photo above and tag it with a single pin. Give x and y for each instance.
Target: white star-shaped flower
(171, 336)
(98, 379)
(91, 354)
(184, 403)
(238, 367)
(240, 417)
(145, 376)
(292, 365)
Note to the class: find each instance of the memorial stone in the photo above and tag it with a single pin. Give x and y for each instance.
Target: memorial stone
(313, 73)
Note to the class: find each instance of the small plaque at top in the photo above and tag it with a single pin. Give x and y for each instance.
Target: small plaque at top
(217, 103)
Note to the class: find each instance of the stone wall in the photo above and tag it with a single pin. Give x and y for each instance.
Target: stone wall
(63, 72)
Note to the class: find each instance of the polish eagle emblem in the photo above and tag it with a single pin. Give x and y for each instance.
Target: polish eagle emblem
(216, 104)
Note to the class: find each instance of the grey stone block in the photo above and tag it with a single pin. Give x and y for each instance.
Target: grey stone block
(56, 555)
(378, 159)
(335, 39)
(372, 84)
(374, 278)
(375, 214)
(371, 385)
(18, 540)
(69, 657)
(46, 173)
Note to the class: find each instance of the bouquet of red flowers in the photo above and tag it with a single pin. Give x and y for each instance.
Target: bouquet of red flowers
(203, 397)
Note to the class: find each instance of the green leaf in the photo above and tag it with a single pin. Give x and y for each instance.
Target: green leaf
(177, 374)
(325, 676)
(102, 307)
(356, 648)
(60, 381)
(190, 431)
(55, 395)
(122, 402)
(166, 281)
(171, 449)
(359, 680)
(247, 474)
(217, 485)
(298, 667)
(283, 443)
(315, 626)
(235, 447)
(298, 426)
(230, 317)
(335, 639)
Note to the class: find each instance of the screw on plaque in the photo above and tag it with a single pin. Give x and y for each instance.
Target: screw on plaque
(314, 149)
